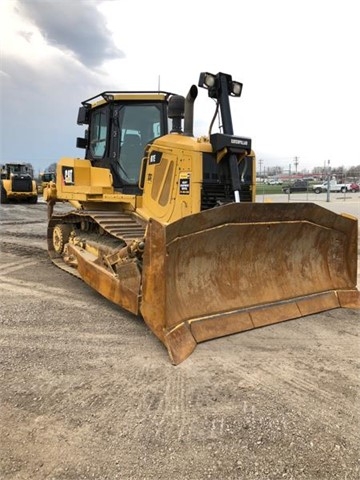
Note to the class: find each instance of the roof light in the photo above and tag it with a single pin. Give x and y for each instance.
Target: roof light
(108, 97)
(236, 88)
(206, 80)
(220, 84)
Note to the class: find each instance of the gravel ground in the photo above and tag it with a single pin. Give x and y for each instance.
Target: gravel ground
(88, 392)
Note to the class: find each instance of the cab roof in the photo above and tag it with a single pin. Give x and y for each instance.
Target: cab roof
(113, 96)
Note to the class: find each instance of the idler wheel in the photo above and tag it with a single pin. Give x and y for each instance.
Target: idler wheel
(61, 234)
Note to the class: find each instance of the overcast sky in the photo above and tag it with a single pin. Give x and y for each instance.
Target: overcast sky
(297, 59)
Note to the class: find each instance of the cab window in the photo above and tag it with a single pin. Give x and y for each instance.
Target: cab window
(139, 124)
(98, 134)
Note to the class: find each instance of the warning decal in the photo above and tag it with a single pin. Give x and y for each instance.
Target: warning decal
(184, 184)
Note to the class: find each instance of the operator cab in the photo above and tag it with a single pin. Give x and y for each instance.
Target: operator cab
(120, 125)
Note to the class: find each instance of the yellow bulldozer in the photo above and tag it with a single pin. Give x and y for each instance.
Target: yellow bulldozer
(165, 224)
(44, 179)
(17, 183)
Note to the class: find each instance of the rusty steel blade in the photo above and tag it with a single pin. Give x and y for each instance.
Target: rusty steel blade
(241, 266)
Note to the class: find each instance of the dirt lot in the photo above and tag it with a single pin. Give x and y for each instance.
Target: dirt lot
(88, 392)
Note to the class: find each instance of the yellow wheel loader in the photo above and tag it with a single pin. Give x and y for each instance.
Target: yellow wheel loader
(165, 224)
(17, 183)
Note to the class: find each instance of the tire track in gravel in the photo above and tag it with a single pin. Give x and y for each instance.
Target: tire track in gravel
(172, 415)
(65, 296)
(11, 267)
(21, 222)
(164, 410)
(26, 236)
(21, 250)
(299, 387)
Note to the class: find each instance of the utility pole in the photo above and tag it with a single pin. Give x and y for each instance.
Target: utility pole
(328, 183)
(260, 164)
(289, 182)
(296, 163)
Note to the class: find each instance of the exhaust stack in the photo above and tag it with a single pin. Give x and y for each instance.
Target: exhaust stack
(189, 111)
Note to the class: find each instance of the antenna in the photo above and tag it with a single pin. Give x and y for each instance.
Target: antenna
(158, 83)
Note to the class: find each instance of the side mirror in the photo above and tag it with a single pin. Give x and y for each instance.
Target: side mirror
(81, 142)
(83, 116)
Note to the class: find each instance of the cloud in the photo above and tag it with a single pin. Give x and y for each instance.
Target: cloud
(42, 85)
(41, 107)
(78, 27)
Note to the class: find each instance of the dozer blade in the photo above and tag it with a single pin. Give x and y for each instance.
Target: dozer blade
(243, 266)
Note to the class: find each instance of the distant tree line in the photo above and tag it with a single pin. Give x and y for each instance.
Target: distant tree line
(341, 173)
(51, 168)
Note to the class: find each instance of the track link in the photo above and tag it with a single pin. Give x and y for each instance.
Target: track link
(122, 226)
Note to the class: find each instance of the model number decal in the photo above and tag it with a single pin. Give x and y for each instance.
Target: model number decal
(155, 158)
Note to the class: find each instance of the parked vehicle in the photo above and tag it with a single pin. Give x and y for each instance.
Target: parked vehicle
(273, 181)
(334, 187)
(17, 183)
(297, 186)
(44, 179)
(353, 187)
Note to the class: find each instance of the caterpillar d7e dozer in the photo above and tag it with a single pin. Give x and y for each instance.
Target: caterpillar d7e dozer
(166, 226)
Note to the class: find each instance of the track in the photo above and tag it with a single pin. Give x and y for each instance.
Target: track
(119, 225)
(103, 228)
